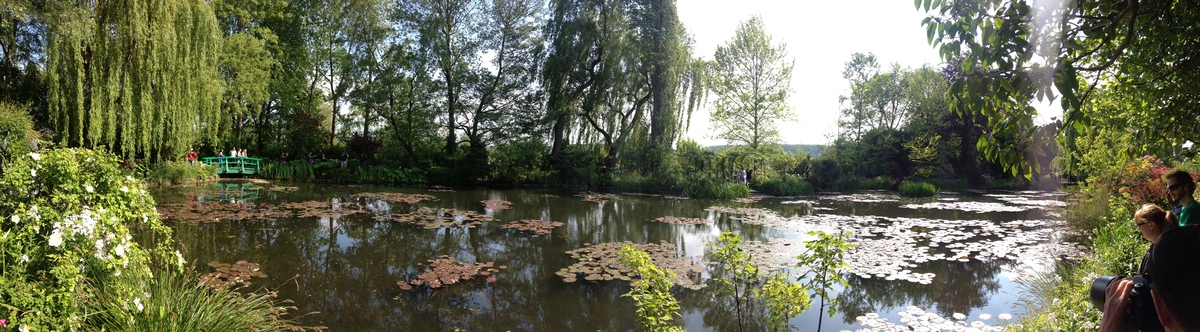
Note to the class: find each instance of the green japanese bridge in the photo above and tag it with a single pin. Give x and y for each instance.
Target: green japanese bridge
(234, 165)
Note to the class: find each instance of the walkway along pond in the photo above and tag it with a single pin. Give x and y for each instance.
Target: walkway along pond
(507, 259)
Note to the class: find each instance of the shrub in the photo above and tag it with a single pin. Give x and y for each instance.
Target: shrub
(785, 185)
(66, 218)
(656, 307)
(917, 189)
(518, 163)
(716, 190)
(16, 129)
(296, 170)
(173, 173)
(853, 183)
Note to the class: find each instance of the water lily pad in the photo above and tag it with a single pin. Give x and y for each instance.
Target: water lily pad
(445, 271)
(601, 262)
(538, 227)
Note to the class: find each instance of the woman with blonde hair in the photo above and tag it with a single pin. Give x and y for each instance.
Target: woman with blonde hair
(1151, 221)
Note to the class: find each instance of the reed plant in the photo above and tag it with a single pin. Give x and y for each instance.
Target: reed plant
(177, 301)
(917, 189)
(710, 189)
(785, 185)
(175, 173)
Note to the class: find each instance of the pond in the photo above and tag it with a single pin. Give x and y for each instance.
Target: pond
(354, 257)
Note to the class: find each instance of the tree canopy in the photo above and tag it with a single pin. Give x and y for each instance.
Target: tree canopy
(752, 81)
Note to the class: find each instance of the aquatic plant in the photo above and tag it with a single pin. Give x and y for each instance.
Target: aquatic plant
(917, 189)
(397, 197)
(597, 197)
(226, 274)
(656, 307)
(439, 218)
(496, 205)
(679, 220)
(785, 185)
(538, 227)
(219, 211)
(446, 270)
(601, 262)
(322, 209)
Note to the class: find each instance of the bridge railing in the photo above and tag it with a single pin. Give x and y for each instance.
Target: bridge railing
(234, 165)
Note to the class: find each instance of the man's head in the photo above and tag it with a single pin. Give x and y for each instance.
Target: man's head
(1175, 269)
(1180, 185)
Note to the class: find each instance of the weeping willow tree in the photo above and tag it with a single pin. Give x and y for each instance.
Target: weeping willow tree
(137, 77)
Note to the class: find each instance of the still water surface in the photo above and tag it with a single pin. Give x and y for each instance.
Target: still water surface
(344, 268)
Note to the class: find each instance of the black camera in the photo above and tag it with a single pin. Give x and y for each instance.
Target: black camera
(1140, 311)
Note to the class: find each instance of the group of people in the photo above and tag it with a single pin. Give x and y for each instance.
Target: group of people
(1172, 262)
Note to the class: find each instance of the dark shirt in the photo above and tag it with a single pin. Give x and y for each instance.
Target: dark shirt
(1144, 267)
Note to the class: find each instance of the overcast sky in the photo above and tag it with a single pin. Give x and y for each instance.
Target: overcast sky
(820, 36)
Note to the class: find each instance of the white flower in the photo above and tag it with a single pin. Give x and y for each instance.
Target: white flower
(180, 257)
(137, 301)
(25, 258)
(56, 238)
(16, 219)
(33, 171)
(25, 328)
(35, 156)
(124, 189)
(119, 250)
(33, 212)
(90, 189)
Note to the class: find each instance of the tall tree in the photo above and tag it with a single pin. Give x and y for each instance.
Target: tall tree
(447, 29)
(138, 77)
(505, 91)
(752, 81)
(327, 31)
(370, 30)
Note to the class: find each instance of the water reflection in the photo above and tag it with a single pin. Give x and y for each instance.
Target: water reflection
(344, 267)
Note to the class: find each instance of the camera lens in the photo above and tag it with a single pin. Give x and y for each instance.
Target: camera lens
(1097, 290)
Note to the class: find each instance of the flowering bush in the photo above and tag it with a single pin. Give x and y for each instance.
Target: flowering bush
(1142, 180)
(65, 238)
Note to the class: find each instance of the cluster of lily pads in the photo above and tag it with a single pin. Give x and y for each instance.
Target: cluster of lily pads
(597, 197)
(446, 270)
(655, 195)
(438, 218)
(320, 209)
(397, 197)
(602, 262)
(679, 220)
(892, 247)
(216, 211)
(915, 319)
(538, 227)
(496, 205)
(230, 274)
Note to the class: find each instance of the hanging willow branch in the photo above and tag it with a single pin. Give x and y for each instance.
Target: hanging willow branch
(137, 77)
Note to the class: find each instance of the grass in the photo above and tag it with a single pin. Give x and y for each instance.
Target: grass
(917, 189)
(175, 173)
(175, 301)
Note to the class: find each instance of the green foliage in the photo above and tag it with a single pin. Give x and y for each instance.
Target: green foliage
(917, 189)
(16, 130)
(785, 299)
(656, 307)
(519, 163)
(176, 301)
(712, 189)
(785, 185)
(854, 183)
(153, 100)
(751, 79)
(389, 175)
(68, 215)
(170, 173)
(824, 260)
(292, 171)
(735, 271)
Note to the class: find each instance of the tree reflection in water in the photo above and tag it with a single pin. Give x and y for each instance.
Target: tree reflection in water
(957, 288)
(346, 267)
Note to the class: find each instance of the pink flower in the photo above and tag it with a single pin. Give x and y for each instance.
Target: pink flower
(4, 323)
